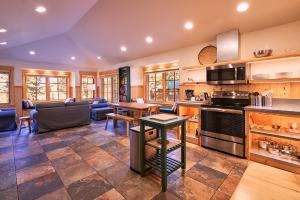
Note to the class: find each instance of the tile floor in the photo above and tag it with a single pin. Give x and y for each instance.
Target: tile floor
(91, 163)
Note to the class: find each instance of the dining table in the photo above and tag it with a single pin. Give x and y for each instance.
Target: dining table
(137, 108)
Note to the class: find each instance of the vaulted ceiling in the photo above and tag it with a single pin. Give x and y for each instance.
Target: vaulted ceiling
(90, 28)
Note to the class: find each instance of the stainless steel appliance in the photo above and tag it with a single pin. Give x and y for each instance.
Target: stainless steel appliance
(189, 94)
(222, 122)
(227, 74)
(150, 133)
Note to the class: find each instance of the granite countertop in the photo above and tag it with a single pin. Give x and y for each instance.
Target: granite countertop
(191, 103)
(280, 106)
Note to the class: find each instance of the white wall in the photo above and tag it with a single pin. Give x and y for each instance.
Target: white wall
(282, 39)
(19, 65)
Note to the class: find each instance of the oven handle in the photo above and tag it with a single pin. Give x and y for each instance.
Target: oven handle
(223, 110)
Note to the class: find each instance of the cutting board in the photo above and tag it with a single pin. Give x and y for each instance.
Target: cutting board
(163, 117)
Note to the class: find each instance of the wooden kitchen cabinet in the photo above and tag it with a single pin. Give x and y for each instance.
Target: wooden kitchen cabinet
(259, 127)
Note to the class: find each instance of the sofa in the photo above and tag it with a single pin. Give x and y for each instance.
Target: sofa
(8, 119)
(99, 109)
(54, 116)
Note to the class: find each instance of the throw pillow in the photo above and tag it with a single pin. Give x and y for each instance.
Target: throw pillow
(95, 102)
(69, 100)
(30, 103)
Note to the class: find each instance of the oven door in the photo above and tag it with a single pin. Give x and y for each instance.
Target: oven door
(224, 124)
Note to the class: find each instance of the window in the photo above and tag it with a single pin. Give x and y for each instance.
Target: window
(155, 87)
(110, 88)
(172, 86)
(163, 86)
(40, 85)
(58, 88)
(4, 87)
(36, 88)
(87, 90)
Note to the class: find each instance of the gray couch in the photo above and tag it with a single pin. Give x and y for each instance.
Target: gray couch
(54, 116)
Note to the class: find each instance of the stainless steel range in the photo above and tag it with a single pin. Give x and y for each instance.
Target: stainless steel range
(222, 122)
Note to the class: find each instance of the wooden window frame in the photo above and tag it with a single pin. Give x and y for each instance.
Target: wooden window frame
(47, 74)
(10, 71)
(113, 95)
(84, 74)
(146, 84)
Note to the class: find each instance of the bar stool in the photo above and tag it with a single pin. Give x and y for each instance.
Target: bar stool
(22, 125)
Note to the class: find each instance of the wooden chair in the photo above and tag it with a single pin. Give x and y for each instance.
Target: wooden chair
(114, 116)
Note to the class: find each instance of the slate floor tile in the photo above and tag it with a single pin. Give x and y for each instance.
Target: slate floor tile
(7, 166)
(218, 163)
(58, 153)
(53, 146)
(117, 173)
(89, 188)
(66, 161)
(9, 194)
(139, 188)
(188, 188)
(207, 176)
(60, 194)
(8, 180)
(30, 160)
(112, 194)
(101, 160)
(112, 147)
(33, 172)
(39, 186)
(75, 172)
(168, 195)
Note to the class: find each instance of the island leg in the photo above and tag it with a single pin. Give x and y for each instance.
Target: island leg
(142, 148)
(163, 160)
(183, 148)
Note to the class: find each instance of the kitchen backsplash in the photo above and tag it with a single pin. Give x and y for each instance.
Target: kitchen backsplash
(289, 90)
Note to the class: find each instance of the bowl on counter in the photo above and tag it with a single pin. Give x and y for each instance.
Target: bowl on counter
(262, 53)
(273, 148)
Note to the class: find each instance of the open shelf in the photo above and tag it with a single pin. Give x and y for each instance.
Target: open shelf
(171, 146)
(172, 164)
(281, 158)
(279, 134)
(250, 60)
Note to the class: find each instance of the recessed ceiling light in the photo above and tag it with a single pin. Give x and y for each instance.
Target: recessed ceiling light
(99, 57)
(123, 48)
(40, 9)
(3, 43)
(188, 25)
(149, 39)
(3, 30)
(73, 58)
(32, 52)
(242, 7)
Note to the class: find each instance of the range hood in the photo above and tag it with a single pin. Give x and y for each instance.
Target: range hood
(228, 46)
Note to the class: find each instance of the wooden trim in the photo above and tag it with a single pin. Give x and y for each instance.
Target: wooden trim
(249, 60)
(48, 74)
(10, 70)
(86, 74)
(161, 67)
(109, 73)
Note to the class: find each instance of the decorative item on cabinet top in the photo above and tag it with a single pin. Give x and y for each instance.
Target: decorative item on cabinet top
(262, 53)
(208, 55)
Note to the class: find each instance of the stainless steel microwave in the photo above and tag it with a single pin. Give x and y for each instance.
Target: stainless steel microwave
(227, 74)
